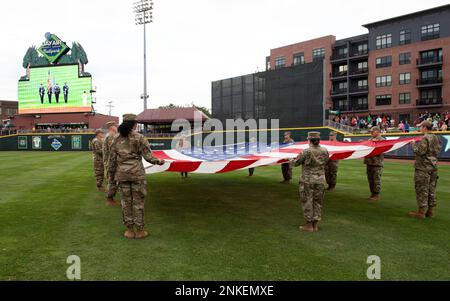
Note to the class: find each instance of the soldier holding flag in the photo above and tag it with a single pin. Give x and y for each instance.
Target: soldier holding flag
(125, 166)
(331, 168)
(312, 181)
(426, 173)
(99, 169)
(112, 185)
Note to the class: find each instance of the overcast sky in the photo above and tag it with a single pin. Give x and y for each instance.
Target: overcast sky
(190, 43)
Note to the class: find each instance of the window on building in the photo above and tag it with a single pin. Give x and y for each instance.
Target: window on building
(362, 103)
(318, 54)
(342, 69)
(299, 59)
(341, 52)
(383, 100)
(340, 105)
(341, 87)
(384, 81)
(385, 61)
(404, 98)
(404, 58)
(431, 56)
(362, 84)
(405, 78)
(363, 66)
(362, 49)
(431, 74)
(405, 37)
(432, 95)
(280, 62)
(384, 41)
(429, 32)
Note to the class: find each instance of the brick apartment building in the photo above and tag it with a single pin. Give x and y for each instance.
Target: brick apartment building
(7, 109)
(400, 68)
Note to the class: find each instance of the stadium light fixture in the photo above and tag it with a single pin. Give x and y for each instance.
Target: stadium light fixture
(144, 15)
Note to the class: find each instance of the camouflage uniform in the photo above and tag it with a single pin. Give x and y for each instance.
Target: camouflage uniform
(286, 168)
(125, 166)
(312, 181)
(331, 168)
(426, 173)
(99, 169)
(112, 184)
(374, 170)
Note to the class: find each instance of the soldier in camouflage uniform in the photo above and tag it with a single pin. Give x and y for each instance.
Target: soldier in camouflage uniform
(331, 168)
(125, 166)
(312, 181)
(375, 167)
(286, 168)
(426, 172)
(99, 169)
(112, 185)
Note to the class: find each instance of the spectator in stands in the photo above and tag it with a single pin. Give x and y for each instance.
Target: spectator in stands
(401, 126)
(406, 126)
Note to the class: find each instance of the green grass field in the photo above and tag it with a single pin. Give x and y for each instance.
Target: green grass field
(214, 227)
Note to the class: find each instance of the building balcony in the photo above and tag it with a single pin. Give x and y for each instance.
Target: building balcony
(359, 54)
(429, 102)
(429, 82)
(352, 108)
(338, 92)
(429, 62)
(338, 75)
(359, 90)
(359, 72)
(338, 57)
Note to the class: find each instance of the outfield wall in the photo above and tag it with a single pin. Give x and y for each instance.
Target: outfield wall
(56, 142)
(47, 142)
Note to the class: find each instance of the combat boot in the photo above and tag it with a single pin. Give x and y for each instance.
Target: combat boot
(101, 189)
(307, 228)
(420, 214)
(374, 198)
(111, 202)
(130, 234)
(430, 212)
(315, 226)
(141, 234)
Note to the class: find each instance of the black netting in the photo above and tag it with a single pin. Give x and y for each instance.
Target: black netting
(293, 95)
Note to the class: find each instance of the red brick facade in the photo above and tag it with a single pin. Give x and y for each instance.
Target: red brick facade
(395, 108)
(8, 109)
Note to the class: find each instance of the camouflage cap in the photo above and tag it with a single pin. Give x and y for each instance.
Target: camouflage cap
(333, 133)
(314, 135)
(426, 123)
(375, 128)
(110, 123)
(129, 117)
(98, 131)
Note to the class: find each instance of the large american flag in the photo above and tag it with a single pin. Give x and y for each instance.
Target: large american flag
(221, 159)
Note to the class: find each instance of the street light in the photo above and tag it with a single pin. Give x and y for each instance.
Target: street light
(143, 12)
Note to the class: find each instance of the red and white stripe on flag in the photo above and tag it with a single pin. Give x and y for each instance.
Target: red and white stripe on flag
(180, 162)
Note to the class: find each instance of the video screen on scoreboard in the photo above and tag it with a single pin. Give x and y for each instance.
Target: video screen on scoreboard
(57, 89)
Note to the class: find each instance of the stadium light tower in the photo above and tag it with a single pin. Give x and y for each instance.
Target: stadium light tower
(143, 11)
